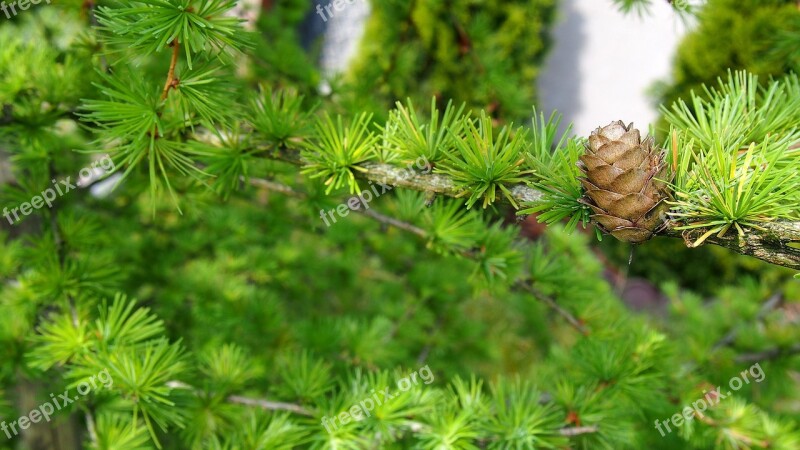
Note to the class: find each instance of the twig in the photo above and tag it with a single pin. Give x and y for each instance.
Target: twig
(576, 431)
(275, 187)
(172, 82)
(287, 190)
(414, 426)
(539, 295)
(765, 355)
(768, 306)
(771, 243)
(248, 401)
(394, 222)
(270, 405)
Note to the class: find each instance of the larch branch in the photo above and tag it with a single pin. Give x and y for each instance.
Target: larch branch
(776, 243)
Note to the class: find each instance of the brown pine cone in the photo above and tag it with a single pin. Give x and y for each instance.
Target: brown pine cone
(625, 182)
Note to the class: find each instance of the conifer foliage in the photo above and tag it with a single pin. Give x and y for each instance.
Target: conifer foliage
(201, 304)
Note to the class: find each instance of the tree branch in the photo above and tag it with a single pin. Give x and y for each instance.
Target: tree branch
(171, 82)
(386, 220)
(269, 405)
(539, 295)
(772, 353)
(768, 306)
(414, 426)
(772, 244)
(577, 431)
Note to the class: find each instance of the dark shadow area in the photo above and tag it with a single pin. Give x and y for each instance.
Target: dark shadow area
(559, 84)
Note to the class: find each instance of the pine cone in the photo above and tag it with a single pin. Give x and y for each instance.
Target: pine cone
(625, 182)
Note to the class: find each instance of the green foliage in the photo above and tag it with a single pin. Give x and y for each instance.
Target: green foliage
(339, 151)
(520, 420)
(124, 344)
(730, 35)
(450, 227)
(484, 55)
(302, 377)
(499, 258)
(133, 120)
(410, 139)
(736, 195)
(131, 111)
(737, 162)
(740, 111)
(149, 26)
(227, 368)
(555, 174)
(734, 154)
(637, 6)
(643, 7)
(116, 432)
(485, 163)
(201, 92)
(279, 116)
(35, 68)
(708, 262)
(751, 35)
(229, 163)
(280, 59)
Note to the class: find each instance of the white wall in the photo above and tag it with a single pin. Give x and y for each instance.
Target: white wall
(603, 62)
(345, 29)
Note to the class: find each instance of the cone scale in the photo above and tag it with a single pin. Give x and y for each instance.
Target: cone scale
(624, 182)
